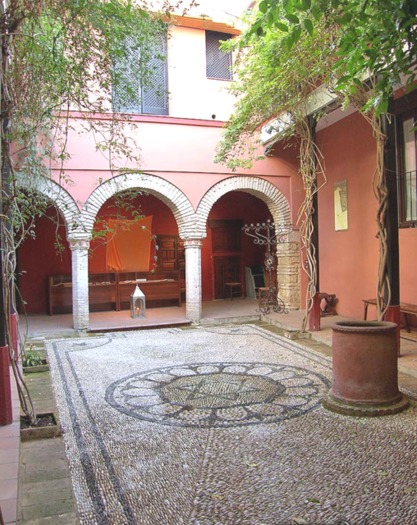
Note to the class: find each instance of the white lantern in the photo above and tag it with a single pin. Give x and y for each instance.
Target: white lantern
(137, 303)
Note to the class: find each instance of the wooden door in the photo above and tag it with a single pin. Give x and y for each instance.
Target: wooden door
(168, 257)
(171, 256)
(226, 247)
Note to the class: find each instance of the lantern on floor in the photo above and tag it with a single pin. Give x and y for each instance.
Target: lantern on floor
(137, 303)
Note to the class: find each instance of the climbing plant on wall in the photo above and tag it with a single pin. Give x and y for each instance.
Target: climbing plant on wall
(57, 57)
(368, 47)
(375, 46)
(275, 84)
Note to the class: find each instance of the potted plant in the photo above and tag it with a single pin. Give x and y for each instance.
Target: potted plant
(33, 424)
(34, 361)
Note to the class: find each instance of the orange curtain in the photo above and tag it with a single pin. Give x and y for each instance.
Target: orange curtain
(129, 245)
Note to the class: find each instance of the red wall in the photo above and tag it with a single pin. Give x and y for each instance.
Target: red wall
(163, 223)
(38, 258)
(235, 205)
(349, 259)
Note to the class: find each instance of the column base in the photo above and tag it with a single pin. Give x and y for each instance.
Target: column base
(365, 409)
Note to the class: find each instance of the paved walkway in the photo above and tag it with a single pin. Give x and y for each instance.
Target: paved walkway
(46, 494)
(9, 463)
(45, 488)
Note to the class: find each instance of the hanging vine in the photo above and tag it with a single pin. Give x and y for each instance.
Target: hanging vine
(275, 82)
(379, 183)
(311, 169)
(359, 97)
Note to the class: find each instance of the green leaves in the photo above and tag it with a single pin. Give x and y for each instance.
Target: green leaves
(263, 6)
(274, 73)
(292, 18)
(368, 37)
(316, 12)
(282, 26)
(308, 24)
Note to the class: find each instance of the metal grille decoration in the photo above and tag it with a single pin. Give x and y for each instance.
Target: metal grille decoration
(269, 234)
(218, 63)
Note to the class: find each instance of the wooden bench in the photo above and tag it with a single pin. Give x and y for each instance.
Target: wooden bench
(111, 291)
(159, 288)
(405, 308)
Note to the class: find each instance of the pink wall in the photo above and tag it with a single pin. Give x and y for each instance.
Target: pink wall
(348, 259)
(178, 150)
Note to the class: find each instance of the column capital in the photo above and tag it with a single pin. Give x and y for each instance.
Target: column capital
(79, 240)
(193, 243)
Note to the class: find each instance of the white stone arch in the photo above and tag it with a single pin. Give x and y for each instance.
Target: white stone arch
(61, 199)
(264, 190)
(288, 252)
(182, 210)
(168, 193)
(66, 205)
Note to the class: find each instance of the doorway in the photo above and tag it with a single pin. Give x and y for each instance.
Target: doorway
(226, 249)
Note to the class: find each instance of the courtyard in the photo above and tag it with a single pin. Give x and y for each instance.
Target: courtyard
(222, 425)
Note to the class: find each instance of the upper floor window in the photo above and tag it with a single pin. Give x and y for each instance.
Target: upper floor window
(407, 181)
(146, 92)
(218, 63)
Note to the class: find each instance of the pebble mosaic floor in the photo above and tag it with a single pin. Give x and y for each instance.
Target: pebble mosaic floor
(223, 426)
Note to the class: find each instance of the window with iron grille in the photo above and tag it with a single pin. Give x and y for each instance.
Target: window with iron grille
(407, 180)
(218, 63)
(145, 93)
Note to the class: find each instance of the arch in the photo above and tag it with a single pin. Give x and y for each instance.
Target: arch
(288, 251)
(168, 193)
(58, 195)
(264, 190)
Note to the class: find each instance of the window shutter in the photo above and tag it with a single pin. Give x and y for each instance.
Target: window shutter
(155, 94)
(127, 88)
(218, 63)
(129, 95)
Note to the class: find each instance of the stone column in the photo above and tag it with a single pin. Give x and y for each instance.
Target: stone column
(288, 256)
(79, 244)
(193, 279)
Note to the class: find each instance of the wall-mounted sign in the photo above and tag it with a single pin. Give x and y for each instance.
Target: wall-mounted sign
(340, 206)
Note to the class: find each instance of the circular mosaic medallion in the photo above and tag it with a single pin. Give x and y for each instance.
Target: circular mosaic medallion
(218, 394)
